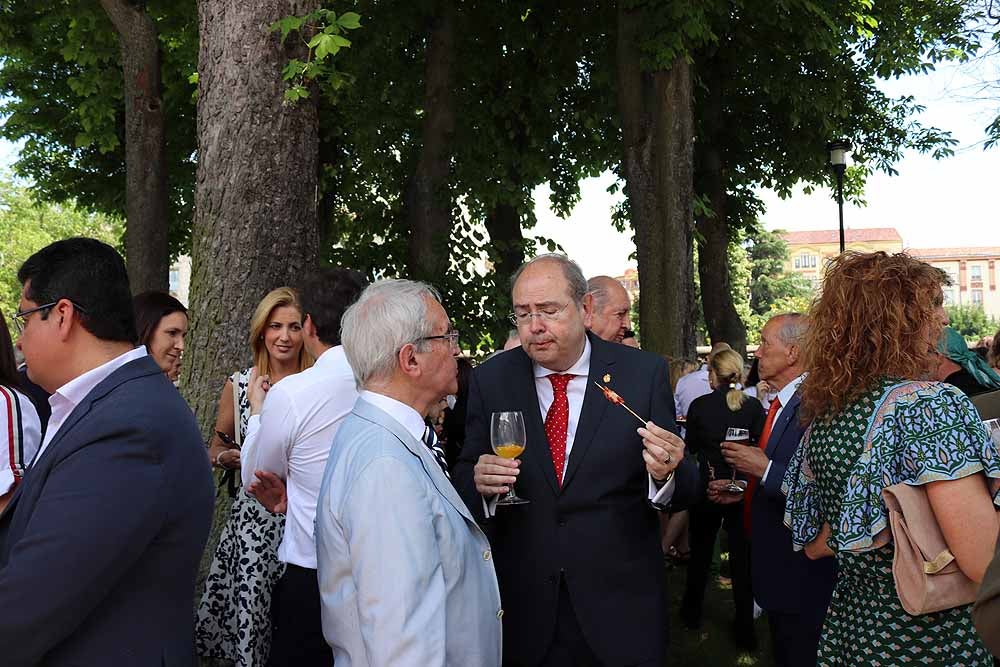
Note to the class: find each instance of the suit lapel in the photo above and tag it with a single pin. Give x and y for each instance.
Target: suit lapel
(418, 449)
(592, 411)
(788, 413)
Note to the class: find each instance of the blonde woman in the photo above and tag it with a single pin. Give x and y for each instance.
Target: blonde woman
(233, 618)
(708, 419)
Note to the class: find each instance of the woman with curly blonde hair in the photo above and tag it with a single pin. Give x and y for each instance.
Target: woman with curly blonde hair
(871, 339)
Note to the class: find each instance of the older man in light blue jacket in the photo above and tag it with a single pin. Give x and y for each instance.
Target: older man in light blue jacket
(406, 575)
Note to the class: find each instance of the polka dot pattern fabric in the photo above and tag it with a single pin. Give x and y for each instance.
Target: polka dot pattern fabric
(557, 422)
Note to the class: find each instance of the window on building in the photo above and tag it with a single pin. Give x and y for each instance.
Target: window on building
(805, 261)
(976, 273)
(949, 296)
(977, 297)
(952, 274)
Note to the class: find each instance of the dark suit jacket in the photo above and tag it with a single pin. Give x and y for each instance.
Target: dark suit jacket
(598, 531)
(100, 544)
(986, 612)
(708, 419)
(784, 580)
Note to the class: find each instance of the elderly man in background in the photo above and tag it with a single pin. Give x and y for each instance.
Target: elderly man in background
(405, 574)
(611, 305)
(794, 590)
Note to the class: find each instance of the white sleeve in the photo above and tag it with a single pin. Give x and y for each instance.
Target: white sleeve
(269, 437)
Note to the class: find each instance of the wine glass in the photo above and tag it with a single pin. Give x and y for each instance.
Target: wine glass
(508, 440)
(736, 435)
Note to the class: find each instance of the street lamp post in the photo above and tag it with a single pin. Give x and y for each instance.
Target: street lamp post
(838, 160)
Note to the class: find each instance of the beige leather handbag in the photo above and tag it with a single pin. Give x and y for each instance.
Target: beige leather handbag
(927, 577)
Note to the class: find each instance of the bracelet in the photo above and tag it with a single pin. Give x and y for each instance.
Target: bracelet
(218, 463)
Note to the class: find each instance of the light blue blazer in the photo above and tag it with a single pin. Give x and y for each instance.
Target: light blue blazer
(406, 575)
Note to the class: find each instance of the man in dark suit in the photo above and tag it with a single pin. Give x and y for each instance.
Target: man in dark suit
(794, 590)
(580, 567)
(100, 544)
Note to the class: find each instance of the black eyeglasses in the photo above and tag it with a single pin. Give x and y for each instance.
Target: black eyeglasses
(20, 317)
(451, 337)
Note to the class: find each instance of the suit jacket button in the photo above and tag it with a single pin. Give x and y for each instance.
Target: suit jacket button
(562, 523)
(499, 614)
(487, 555)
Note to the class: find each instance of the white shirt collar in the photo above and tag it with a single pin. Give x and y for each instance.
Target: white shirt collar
(581, 367)
(789, 390)
(76, 389)
(409, 418)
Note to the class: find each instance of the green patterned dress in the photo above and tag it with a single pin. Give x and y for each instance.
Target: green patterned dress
(912, 432)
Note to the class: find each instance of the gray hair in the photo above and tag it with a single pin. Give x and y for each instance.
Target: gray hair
(599, 288)
(571, 270)
(388, 315)
(792, 329)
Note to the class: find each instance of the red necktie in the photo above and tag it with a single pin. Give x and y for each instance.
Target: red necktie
(762, 443)
(557, 422)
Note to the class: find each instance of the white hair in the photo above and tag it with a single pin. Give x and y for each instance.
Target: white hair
(388, 315)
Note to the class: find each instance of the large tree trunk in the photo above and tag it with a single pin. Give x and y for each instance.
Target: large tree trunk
(146, 198)
(255, 223)
(504, 227)
(426, 204)
(721, 318)
(658, 135)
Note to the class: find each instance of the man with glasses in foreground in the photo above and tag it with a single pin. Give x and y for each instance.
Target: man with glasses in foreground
(406, 575)
(100, 544)
(580, 566)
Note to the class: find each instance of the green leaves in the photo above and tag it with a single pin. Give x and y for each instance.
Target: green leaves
(320, 32)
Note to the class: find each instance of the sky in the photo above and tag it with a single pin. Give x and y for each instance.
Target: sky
(932, 203)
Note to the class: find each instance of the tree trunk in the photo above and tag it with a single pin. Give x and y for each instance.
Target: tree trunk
(504, 227)
(721, 318)
(146, 198)
(657, 164)
(426, 204)
(255, 223)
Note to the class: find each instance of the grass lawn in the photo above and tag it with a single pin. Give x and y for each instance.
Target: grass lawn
(712, 644)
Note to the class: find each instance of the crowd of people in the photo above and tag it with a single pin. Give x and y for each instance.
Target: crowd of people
(368, 522)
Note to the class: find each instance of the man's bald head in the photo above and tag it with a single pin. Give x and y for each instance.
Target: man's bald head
(611, 306)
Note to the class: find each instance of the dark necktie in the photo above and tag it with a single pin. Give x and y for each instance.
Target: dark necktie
(430, 439)
(557, 422)
(762, 443)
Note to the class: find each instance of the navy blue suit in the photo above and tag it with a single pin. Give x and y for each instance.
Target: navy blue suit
(794, 590)
(100, 544)
(594, 539)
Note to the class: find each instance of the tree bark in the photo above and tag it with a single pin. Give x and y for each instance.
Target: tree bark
(146, 196)
(426, 204)
(504, 227)
(723, 322)
(255, 223)
(658, 135)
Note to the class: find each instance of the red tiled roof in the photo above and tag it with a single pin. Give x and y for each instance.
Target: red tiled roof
(954, 253)
(850, 236)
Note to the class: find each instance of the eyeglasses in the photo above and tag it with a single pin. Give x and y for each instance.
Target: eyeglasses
(451, 337)
(549, 314)
(20, 317)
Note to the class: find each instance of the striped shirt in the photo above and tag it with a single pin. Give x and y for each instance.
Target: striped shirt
(20, 436)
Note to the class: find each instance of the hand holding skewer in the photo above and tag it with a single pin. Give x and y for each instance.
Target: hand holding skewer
(662, 450)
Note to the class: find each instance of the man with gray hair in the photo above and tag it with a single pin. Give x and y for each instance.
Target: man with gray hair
(793, 590)
(405, 574)
(609, 316)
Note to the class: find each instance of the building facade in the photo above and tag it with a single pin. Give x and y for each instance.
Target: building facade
(808, 252)
(973, 272)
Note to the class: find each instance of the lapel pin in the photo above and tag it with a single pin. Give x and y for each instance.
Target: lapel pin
(607, 378)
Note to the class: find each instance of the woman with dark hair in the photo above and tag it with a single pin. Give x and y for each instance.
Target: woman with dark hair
(871, 337)
(20, 430)
(161, 322)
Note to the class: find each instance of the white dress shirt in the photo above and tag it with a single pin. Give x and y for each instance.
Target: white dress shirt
(68, 396)
(409, 418)
(783, 396)
(291, 437)
(690, 387)
(576, 389)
